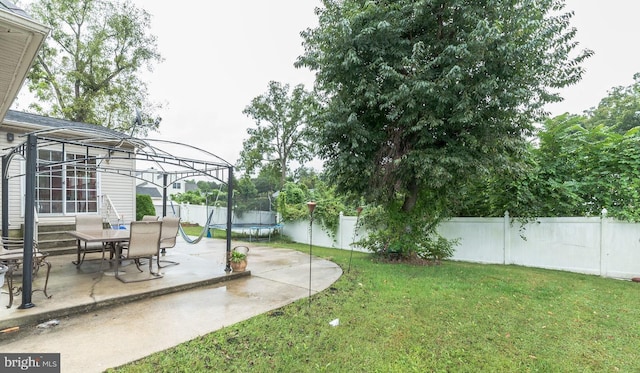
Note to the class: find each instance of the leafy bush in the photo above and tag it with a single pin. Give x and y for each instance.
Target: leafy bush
(396, 234)
(192, 197)
(144, 206)
(292, 205)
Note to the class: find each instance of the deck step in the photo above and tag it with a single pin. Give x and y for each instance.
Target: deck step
(54, 239)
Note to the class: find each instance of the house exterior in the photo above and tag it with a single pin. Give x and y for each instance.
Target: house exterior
(72, 187)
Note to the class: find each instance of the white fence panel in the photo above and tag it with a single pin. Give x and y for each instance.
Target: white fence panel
(299, 232)
(481, 239)
(620, 249)
(599, 246)
(571, 244)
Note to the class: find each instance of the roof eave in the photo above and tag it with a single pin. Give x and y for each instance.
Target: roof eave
(28, 50)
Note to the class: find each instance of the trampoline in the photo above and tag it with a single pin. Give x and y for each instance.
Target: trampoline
(255, 232)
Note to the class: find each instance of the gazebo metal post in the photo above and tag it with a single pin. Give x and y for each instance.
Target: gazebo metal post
(164, 195)
(5, 195)
(229, 217)
(29, 220)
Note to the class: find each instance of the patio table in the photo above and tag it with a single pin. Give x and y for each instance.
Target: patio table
(109, 237)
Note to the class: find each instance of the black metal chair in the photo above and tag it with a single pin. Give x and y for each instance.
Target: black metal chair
(12, 255)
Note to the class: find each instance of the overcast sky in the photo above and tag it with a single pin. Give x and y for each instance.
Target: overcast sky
(221, 54)
(218, 56)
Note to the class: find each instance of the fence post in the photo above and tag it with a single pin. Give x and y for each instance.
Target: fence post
(506, 254)
(603, 252)
(339, 230)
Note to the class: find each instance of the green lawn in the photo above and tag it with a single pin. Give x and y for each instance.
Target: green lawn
(455, 317)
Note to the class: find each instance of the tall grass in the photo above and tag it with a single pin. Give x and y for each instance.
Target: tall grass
(455, 317)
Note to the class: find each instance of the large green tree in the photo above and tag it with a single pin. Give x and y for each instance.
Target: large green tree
(88, 69)
(284, 119)
(620, 109)
(425, 96)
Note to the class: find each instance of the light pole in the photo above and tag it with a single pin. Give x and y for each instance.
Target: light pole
(311, 206)
(355, 229)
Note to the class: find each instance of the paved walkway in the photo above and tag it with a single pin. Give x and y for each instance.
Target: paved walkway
(104, 323)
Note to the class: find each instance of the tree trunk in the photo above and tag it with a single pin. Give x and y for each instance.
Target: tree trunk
(283, 172)
(411, 198)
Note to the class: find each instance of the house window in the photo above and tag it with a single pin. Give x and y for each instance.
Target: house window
(69, 187)
(176, 185)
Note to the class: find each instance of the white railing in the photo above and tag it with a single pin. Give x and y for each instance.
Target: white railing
(109, 209)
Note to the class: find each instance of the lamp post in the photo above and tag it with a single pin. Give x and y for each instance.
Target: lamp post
(355, 229)
(311, 206)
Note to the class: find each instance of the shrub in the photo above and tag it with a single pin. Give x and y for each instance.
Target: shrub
(395, 234)
(144, 206)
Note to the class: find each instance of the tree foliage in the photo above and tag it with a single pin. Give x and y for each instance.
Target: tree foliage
(424, 97)
(592, 167)
(578, 169)
(87, 71)
(192, 197)
(283, 128)
(620, 110)
(293, 199)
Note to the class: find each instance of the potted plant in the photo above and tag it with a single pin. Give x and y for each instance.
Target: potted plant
(239, 258)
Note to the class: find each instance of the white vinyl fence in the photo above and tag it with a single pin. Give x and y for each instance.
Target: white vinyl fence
(299, 232)
(597, 245)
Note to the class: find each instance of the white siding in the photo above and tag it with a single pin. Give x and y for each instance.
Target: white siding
(121, 190)
(16, 183)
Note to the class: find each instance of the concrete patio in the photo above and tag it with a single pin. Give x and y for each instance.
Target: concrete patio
(102, 322)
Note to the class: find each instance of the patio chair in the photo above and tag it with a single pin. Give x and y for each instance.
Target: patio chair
(144, 242)
(12, 255)
(90, 223)
(170, 226)
(150, 218)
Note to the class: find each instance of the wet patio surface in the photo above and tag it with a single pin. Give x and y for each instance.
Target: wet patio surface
(102, 322)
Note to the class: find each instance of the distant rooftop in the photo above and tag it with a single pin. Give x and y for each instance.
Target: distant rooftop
(150, 191)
